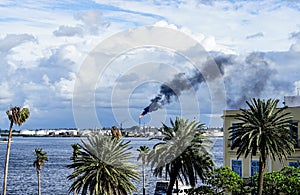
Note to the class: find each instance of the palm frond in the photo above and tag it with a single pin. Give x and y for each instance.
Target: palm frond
(181, 150)
(102, 167)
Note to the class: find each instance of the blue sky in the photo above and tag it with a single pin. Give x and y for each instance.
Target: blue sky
(44, 46)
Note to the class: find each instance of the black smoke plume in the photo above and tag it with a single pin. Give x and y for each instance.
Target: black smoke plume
(171, 90)
(244, 79)
(181, 82)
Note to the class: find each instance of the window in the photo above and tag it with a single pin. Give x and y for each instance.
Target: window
(294, 132)
(254, 167)
(236, 166)
(294, 164)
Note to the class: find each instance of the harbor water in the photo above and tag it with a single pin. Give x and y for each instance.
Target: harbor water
(22, 178)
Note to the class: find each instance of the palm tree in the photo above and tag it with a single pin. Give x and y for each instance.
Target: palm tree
(116, 133)
(38, 163)
(264, 129)
(143, 155)
(101, 167)
(76, 152)
(18, 116)
(183, 152)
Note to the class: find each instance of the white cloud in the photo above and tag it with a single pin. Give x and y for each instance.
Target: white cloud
(64, 87)
(207, 41)
(6, 94)
(92, 21)
(12, 40)
(295, 47)
(46, 79)
(68, 31)
(229, 22)
(43, 45)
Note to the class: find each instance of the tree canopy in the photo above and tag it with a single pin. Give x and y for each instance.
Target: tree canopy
(183, 152)
(101, 167)
(263, 130)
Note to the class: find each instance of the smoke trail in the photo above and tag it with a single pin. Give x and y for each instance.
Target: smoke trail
(181, 83)
(253, 77)
(172, 89)
(247, 79)
(244, 78)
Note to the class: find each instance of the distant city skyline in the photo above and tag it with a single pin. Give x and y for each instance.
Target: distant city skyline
(44, 47)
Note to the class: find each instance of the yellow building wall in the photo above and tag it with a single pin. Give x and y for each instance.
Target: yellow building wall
(229, 119)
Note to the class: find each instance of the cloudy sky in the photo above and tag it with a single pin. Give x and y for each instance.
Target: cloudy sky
(52, 59)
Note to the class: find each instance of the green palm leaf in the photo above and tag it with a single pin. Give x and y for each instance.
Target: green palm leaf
(101, 167)
(263, 130)
(183, 153)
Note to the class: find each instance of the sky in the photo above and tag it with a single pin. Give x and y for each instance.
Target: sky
(92, 64)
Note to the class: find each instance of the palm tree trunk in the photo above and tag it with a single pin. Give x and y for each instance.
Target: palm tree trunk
(39, 182)
(261, 176)
(177, 187)
(144, 179)
(171, 184)
(173, 178)
(7, 158)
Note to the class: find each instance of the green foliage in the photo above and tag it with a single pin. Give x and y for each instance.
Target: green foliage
(285, 181)
(222, 180)
(272, 182)
(76, 151)
(18, 115)
(40, 158)
(292, 180)
(38, 163)
(101, 167)
(183, 152)
(144, 150)
(263, 128)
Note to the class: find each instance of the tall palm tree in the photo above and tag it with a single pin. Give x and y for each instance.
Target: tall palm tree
(143, 155)
(264, 129)
(18, 116)
(101, 167)
(76, 152)
(183, 152)
(38, 163)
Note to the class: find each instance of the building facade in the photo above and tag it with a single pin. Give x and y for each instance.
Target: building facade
(246, 167)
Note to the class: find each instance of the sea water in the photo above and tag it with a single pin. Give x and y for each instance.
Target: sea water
(22, 178)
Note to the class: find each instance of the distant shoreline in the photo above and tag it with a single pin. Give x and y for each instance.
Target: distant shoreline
(3, 135)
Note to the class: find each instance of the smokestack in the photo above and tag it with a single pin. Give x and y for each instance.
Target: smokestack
(140, 121)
